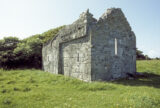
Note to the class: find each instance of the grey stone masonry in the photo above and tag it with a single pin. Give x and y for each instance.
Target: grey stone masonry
(91, 49)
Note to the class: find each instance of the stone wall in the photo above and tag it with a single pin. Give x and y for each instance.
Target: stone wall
(69, 53)
(50, 56)
(93, 50)
(114, 47)
(76, 58)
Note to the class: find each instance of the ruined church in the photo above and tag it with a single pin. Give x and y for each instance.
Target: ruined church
(91, 49)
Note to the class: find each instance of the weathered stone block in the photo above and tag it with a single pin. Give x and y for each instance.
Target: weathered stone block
(91, 49)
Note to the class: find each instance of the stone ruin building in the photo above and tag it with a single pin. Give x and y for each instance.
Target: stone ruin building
(91, 49)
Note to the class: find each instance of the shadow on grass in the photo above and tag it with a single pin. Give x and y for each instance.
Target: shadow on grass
(147, 79)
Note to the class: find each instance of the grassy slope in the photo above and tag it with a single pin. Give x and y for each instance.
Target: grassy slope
(38, 89)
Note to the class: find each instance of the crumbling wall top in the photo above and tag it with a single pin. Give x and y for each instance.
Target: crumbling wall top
(113, 17)
(112, 12)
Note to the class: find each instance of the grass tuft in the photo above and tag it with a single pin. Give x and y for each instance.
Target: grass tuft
(4, 91)
(7, 101)
(16, 89)
(11, 82)
(27, 89)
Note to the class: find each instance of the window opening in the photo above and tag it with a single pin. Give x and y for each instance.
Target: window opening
(78, 57)
(115, 46)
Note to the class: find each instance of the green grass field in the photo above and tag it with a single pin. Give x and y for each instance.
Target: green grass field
(38, 89)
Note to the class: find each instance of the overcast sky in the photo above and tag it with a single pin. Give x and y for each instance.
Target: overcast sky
(23, 18)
